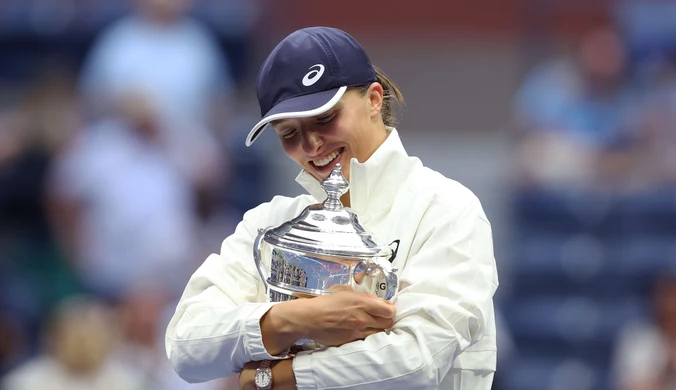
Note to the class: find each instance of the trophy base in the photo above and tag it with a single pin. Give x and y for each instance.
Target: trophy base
(278, 296)
(306, 345)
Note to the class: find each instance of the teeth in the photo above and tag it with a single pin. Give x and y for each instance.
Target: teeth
(322, 162)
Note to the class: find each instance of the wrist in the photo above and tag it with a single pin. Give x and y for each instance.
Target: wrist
(263, 376)
(280, 328)
(283, 375)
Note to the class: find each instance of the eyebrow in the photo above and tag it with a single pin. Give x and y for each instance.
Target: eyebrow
(335, 107)
(331, 111)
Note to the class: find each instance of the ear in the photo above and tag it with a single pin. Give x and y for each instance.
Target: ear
(375, 96)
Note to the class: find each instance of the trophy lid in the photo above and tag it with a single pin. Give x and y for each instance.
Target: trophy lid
(328, 228)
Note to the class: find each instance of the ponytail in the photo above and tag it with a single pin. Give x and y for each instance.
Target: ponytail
(391, 95)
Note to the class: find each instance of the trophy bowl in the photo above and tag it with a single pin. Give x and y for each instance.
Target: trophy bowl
(324, 246)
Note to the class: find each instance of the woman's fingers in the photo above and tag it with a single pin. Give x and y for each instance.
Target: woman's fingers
(380, 308)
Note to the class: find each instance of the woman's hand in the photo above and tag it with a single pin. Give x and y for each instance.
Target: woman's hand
(345, 316)
(332, 320)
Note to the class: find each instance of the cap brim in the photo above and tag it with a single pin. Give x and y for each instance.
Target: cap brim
(298, 107)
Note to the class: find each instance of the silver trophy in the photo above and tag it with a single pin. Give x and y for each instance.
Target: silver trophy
(324, 246)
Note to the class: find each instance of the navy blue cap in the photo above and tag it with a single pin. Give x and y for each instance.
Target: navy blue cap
(307, 74)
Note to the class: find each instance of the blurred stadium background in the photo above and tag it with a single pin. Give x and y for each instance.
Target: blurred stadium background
(122, 165)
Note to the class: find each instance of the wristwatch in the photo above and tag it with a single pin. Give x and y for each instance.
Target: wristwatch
(263, 377)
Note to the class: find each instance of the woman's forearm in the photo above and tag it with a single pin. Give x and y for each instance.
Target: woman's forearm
(278, 329)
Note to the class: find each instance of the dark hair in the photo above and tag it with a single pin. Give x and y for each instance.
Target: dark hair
(390, 94)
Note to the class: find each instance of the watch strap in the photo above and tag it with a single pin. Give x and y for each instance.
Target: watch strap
(265, 366)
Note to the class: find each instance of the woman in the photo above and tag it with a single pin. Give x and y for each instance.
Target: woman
(328, 105)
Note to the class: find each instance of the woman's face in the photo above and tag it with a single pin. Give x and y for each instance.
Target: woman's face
(352, 128)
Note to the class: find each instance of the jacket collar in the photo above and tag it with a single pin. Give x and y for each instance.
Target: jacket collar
(373, 184)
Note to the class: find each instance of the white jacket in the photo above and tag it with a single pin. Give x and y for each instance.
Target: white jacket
(444, 332)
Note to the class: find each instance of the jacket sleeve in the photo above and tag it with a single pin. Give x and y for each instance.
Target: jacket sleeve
(215, 330)
(444, 306)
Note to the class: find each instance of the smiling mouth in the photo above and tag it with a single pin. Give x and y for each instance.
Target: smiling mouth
(325, 162)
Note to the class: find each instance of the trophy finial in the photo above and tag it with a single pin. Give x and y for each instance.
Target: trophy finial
(335, 186)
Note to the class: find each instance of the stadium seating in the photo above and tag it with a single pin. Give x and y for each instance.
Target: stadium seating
(582, 265)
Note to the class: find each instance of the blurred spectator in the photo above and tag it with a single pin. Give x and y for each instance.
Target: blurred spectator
(575, 117)
(657, 137)
(33, 274)
(645, 357)
(12, 344)
(122, 212)
(144, 316)
(78, 346)
(170, 59)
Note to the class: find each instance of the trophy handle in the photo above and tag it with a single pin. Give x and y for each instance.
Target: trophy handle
(394, 251)
(391, 282)
(258, 259)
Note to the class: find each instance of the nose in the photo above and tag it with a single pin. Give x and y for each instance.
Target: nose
(312, 141)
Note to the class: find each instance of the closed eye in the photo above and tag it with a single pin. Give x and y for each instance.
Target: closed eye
(326, 118)
(289, 134)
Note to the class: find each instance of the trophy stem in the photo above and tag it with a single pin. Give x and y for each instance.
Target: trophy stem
(335, 186)
(333, 204)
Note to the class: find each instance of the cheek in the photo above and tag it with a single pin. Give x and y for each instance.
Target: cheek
(293, 150)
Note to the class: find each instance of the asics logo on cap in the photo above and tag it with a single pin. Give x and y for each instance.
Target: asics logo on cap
(313, 75)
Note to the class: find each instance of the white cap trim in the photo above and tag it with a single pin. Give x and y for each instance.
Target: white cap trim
(297, 114)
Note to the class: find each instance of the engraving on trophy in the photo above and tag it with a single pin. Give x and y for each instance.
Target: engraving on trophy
(340, 220)
(292, 269)
(285, 272)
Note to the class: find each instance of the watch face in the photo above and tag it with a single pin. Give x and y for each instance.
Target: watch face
(263, 378)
